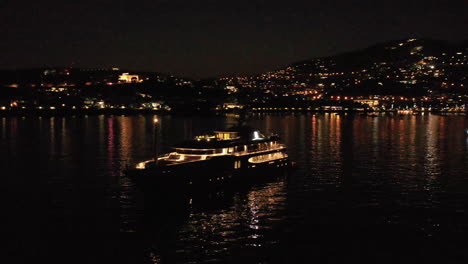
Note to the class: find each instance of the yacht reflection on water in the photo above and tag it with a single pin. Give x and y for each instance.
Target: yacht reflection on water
(178, 227)
(234, 155)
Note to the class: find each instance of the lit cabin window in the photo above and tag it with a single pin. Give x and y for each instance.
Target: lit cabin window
(237, 164)
(196, 151)
(268, 157)
(226, 135)
(205, 137)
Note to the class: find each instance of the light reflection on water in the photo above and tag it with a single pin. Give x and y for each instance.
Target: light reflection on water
(243, 223)
(355, 174)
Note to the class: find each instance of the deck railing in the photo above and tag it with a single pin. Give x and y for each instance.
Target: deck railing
(272, 148)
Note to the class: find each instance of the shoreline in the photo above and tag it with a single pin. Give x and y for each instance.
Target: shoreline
(116, 111)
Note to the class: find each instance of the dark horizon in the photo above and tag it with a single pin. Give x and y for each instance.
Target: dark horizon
(210, 39)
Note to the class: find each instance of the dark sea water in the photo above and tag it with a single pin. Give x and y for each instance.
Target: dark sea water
(382, 189)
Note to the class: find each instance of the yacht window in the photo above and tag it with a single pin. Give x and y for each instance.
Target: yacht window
(218, 151)
(174, 157)
(199, 152)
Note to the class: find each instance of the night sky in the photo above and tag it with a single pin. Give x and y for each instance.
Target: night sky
(206, 38)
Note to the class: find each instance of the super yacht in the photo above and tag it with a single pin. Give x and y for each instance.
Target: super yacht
(219, 157)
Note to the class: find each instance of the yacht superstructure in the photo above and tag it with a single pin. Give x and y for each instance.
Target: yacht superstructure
(217, 157)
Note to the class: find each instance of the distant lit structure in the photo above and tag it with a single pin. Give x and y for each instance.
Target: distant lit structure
(129, 78)
(228, 106)
(369, 102)
(231, 89)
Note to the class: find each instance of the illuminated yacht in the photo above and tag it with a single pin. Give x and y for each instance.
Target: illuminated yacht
(216, 158)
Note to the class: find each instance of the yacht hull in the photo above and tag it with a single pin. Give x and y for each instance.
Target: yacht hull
(213, 172)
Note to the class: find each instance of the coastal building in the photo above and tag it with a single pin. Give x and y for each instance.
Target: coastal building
(369, 102)
(129, 78)
(228, 106)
